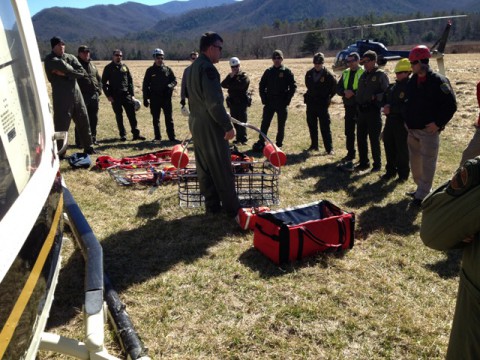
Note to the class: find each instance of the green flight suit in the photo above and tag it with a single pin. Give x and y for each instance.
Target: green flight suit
(68, 101)
(447, 220)
(208, 124)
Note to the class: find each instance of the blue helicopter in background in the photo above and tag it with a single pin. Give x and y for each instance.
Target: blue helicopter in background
(384, 55)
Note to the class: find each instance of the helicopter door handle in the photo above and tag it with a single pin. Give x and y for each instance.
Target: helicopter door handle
(61, 135)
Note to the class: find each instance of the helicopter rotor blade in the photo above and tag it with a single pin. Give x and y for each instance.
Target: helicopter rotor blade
(361, 27)
(416, 20)
(314, 31)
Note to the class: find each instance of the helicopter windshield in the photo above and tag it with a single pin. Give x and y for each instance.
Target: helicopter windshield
(21, 131)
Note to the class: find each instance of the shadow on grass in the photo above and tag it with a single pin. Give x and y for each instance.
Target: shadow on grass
(137, 255)
(448, 267)
(394, 218)
(258, 262)
(141, 147)
(368, 193)
(327, 175)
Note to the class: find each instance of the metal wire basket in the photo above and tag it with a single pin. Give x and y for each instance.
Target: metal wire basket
(256, 184)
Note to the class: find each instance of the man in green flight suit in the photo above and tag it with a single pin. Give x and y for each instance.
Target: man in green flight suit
(450, 221)
(62, 71)
(211, 129)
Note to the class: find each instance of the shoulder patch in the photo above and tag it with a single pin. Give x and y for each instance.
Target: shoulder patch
(445, 87)
(211, 73)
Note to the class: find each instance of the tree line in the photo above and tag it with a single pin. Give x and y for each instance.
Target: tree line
(250, 44)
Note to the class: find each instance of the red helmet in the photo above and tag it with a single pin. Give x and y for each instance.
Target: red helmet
(419, 52)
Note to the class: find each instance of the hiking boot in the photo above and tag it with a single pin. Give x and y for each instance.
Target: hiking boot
(90, 151)
(331, 152)
(258, 146)
(347, 158)
(376, 168)
(361, 167)
(411, 193)
(416, 202)
(347, 167)
(312, 148)
(138, 137)
(175, 141)
(123, 138)
(387, 177)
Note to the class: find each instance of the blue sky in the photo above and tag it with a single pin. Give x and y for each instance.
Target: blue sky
(37, 5)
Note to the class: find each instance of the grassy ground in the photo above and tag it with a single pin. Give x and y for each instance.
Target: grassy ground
(195, 287)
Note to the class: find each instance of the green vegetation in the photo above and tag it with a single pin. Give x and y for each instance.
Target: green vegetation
(244, 30)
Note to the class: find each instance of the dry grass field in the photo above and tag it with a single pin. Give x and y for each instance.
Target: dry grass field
(196, 289)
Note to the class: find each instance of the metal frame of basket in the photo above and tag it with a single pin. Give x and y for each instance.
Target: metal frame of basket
(256, 184)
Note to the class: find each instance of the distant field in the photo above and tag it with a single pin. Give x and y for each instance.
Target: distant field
(195, 287)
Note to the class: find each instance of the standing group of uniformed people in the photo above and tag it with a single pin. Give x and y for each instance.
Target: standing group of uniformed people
(417, 109)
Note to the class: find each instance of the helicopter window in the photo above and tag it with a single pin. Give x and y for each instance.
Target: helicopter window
(22, 135)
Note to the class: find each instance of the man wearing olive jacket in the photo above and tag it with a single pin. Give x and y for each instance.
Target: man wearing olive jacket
(211, 129)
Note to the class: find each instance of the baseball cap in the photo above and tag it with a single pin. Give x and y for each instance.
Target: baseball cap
(318, 58)
(277, 53)
(83, 48)
(54, 41)
(370, 55)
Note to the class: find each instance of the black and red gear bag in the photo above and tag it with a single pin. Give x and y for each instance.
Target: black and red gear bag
(293, 233)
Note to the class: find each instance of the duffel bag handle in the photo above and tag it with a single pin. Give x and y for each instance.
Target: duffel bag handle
(260, 230)
(317, 240)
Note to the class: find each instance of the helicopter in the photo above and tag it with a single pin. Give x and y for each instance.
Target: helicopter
(384, 55)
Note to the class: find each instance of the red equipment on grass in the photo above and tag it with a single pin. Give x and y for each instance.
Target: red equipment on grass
(291, 234)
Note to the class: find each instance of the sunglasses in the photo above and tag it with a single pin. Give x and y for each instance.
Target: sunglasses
(234, 67)
(414, 62)
(218, 47)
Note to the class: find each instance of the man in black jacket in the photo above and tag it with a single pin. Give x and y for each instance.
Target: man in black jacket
(118, 88)
(371, 87)
(277, 87)
(237, 83)
(158, 84)
(321, 86)
(430, 105)
(91, 87)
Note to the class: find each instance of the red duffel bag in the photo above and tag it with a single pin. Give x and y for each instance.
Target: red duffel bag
(293, 233)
